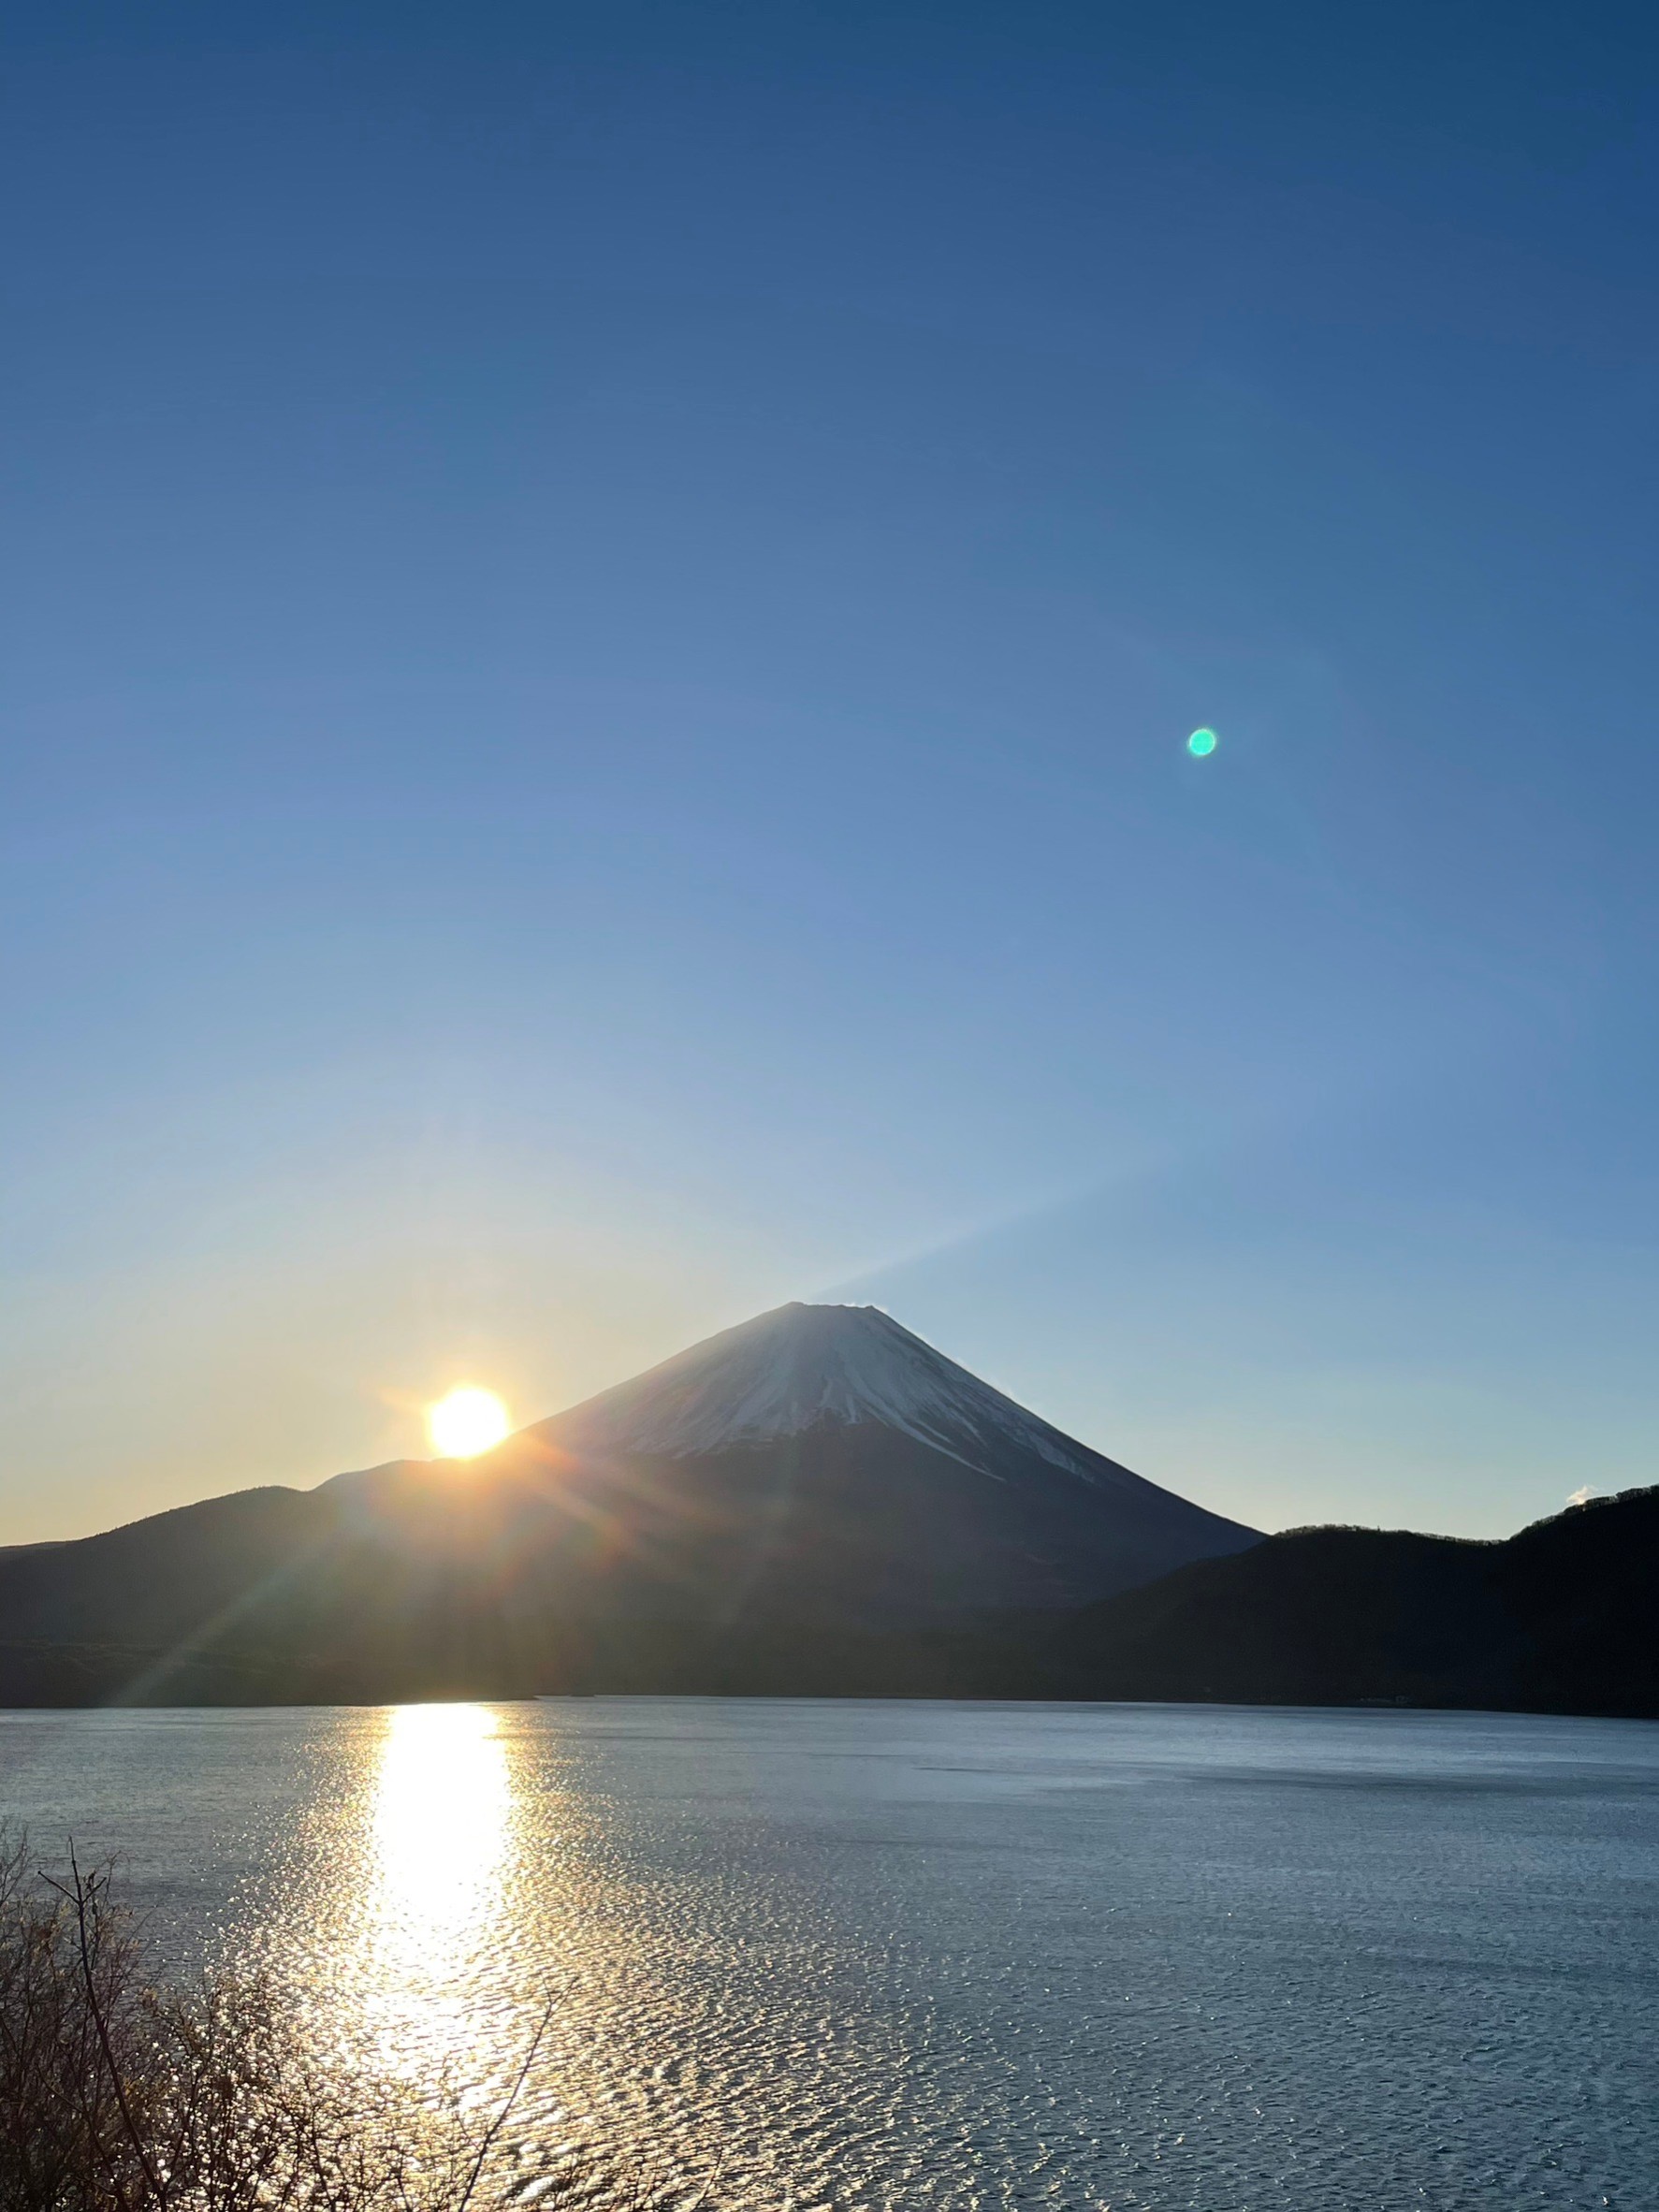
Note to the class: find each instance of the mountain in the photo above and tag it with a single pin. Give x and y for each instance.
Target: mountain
(1559, 1618)
(818, 1477)
(824, 1456)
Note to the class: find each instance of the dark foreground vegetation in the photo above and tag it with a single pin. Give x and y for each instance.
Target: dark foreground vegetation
(120, 2094)
(1559, 1617)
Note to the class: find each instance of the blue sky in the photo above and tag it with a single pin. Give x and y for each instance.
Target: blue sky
(602, 607)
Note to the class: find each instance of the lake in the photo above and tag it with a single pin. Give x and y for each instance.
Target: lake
(873, 1954)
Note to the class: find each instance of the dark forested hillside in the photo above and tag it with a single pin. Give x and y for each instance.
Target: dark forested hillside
(403, 1584)
(1563, 1617)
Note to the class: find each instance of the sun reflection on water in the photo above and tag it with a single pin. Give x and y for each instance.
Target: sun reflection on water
(441, 1830)
(440, 1820)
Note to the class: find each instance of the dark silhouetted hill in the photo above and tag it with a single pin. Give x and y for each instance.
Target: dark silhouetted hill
(1563, 1617)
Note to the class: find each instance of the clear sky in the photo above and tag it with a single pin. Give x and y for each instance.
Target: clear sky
(602, 605)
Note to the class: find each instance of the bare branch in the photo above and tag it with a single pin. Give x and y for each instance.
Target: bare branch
(84, 1894)
(500, 2120)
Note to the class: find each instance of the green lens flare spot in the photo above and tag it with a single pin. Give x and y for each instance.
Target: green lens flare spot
(1200, 743)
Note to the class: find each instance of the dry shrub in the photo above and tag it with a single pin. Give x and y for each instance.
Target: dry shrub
(120, 2094)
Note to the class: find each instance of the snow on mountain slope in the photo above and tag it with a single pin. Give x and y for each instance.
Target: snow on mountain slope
(787, 1370)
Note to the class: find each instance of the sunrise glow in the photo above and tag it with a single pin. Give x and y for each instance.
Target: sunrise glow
(466, 1421)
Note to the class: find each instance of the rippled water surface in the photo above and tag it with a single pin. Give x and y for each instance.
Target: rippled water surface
(944, 1955)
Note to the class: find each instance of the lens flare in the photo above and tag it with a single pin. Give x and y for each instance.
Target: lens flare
(1200, 743)
(465, 1422)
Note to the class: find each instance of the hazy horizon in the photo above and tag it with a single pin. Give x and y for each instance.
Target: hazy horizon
(605, 608)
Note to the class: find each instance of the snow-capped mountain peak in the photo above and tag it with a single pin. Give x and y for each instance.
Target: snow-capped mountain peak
(798, 1366)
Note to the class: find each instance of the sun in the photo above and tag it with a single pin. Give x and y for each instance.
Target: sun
(466, 1421)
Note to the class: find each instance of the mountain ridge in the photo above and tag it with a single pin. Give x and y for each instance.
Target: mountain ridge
(1558, 1617)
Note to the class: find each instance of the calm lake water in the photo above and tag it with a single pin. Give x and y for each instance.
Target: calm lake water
(943, 1956)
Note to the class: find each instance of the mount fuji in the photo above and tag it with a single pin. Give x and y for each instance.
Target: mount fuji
(823, 1455)
(816, 1475)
